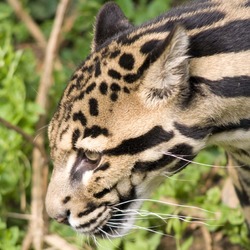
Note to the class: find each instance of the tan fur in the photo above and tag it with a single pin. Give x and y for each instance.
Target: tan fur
(135, 113)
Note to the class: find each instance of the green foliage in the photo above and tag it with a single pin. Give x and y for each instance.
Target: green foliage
(9, 237)
(17, 82)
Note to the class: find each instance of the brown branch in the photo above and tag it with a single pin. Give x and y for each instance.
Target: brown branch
(38, 226)
(29, 22)
(59, 243)
(19, 216)
(26, 136)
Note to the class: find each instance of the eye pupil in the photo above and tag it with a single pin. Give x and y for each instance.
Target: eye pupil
(92, 156)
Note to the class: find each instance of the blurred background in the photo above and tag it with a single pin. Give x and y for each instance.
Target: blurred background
(31, 83)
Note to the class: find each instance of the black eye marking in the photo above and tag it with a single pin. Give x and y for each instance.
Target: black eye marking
(127, 61)
(103, 167)
(93, 107)
(95, 131)
(114, 74)
(152, 138)
(84, 162)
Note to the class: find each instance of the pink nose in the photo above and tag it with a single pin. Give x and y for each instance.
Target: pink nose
(63, 218)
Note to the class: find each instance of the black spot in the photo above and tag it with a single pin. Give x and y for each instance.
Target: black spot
(80, 96)
(152, 138)
(93, 107)
(126, 90)
(76, 134)
(90, 88)
(70, 89)
(148, 46)
(90, 69)
(115, 87)
(98, 178)
(98, 69)
(79, 81)
(103, 167)
(114, 97)
(127, 61)
(66, 199)
(114, 74)
(79, 116)
(115, 54)
(103, 88)
(73, 77)
(95, 131)
(131, 78)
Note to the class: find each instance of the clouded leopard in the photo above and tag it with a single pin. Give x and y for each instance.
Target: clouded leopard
(144, 102)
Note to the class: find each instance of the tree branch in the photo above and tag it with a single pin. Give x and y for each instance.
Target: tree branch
(30, 24)
(38, 226)
(26, 136)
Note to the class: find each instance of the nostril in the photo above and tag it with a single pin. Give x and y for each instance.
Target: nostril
(63, 218)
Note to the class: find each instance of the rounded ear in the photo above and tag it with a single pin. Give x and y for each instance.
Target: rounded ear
(168, 72)
(109, 22)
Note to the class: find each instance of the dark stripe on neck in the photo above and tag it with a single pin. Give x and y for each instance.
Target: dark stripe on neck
(152, 138)
(191, 22)
(232, 37)
(227, 86)
(242, 124)
(198, 132)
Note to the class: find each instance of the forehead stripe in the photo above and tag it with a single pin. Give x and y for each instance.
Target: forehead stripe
(132, 146)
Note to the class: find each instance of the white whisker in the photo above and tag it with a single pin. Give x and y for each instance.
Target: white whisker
(198, 163)
(165, 203)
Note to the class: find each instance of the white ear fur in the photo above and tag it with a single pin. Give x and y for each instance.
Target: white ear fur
(169, 73)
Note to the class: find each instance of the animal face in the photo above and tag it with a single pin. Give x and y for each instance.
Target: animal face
(115, 132)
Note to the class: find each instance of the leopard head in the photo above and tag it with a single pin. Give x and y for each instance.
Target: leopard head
(113, 135)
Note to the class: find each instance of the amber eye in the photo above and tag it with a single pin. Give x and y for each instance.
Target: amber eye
(93, 157)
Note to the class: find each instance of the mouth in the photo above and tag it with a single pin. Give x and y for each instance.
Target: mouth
(106, 221)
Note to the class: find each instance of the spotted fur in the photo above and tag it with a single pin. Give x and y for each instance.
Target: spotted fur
(146, 100)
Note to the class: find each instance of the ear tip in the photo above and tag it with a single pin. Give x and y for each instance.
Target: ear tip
(109, 7)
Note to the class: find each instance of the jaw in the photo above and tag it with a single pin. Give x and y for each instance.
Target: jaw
(122, 219)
